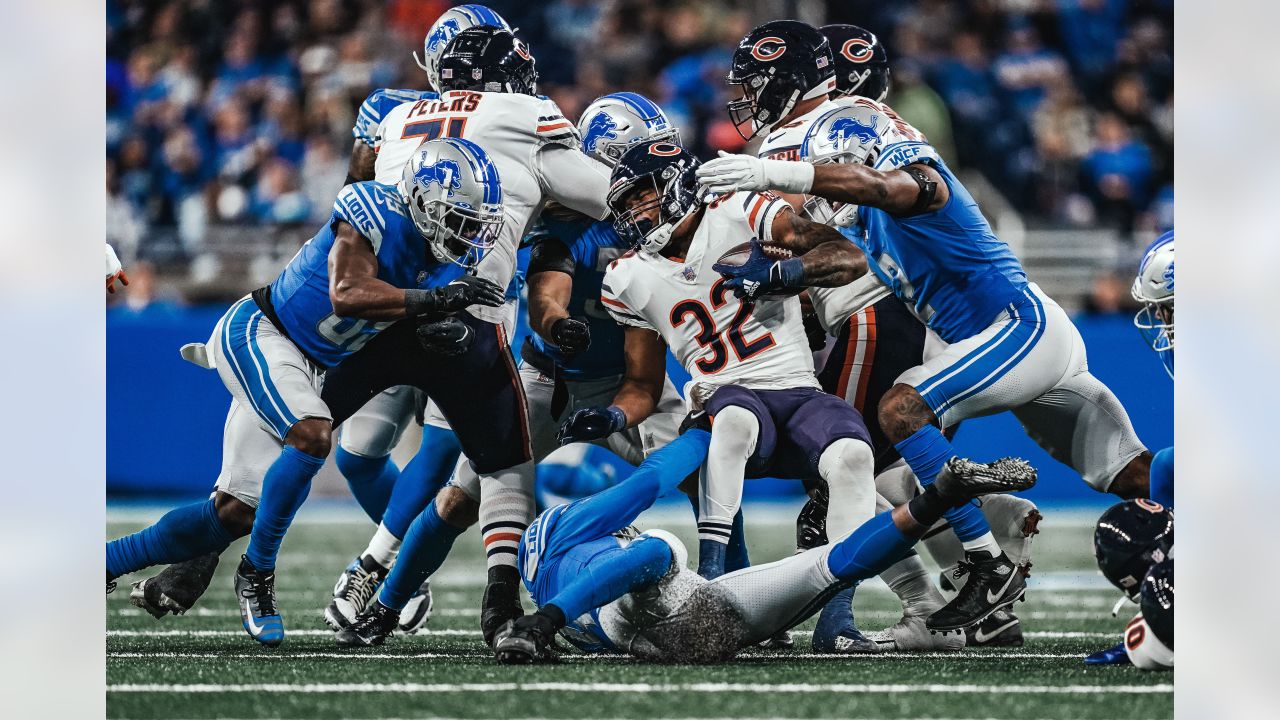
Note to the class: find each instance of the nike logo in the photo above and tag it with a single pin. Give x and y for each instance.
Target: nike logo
(254, 628)
(981, 637)
(994, 597)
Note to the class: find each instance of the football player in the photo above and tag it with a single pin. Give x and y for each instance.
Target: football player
(1009, 346)
(1153, 287)
(605, 587)
(388, 252)
(750, 362)
(1133, 543)
(488, 78)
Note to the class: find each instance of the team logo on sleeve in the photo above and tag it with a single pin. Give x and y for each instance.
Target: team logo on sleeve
(844, 128)
(446, 173)
(602, 127)
(856, 50)
(768, 48)
(442, 35)
(664, 149)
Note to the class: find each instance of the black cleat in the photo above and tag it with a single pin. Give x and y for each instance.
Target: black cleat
(177, 588)
(1001, 629)
(811, 523)
(353, 591)
(256, 593)
(962, 479)
(500, 605)
(525, 640)
(994, 583)
(372, 627)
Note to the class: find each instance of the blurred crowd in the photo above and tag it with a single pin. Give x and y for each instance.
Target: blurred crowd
(238, 113)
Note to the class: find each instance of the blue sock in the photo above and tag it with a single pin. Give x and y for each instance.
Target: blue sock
(426, 545)
(869, 550)
(421, 478)
(284, 488)
(612, 575)
(371, 480)
(926, 451)
(736, 556)
(181, 534)
(711, 558)
(1162, 477)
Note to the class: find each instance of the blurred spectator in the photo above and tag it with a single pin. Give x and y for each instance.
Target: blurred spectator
(1026, 69)
(1117, 172)
(919, 105)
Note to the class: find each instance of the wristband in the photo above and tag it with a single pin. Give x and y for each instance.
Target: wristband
(419, 302)
(791, 272)
(617, 419)
(788, 176)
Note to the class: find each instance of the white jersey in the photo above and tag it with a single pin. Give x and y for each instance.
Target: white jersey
(718, 338)
(834, 306)
(1145, 650)
(534, 147)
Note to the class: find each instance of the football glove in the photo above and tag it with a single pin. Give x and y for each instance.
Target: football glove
(729, 173)
(571, 335)
(591, 424)
(760, 275)
(449, 336)
(457, 295)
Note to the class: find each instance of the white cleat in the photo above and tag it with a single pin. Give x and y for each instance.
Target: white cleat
(351, 594)
(417, 611)
(910, 635)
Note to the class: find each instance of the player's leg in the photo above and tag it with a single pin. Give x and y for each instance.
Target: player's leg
(742, 428)
(365, 444)
(1162, 477)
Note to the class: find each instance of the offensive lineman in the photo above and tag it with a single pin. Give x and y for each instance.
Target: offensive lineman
(1010, 347)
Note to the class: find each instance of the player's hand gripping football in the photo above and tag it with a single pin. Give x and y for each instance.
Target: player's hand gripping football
(729, 173)
(760, 274)
(590, 424)
(571, 335)
(449, 336)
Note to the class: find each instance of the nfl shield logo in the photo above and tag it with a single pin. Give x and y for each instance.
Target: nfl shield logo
(689, 273)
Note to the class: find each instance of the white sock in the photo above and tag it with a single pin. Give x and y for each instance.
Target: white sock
(506, 509)
(383, 547)
(847, 466)
(909, 580)
(986, 541)
(733, 439)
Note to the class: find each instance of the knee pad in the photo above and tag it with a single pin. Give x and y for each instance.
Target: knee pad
(735, 429)
(897, 483)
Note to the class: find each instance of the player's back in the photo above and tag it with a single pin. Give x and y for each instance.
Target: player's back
(300, 294)
(721, 340)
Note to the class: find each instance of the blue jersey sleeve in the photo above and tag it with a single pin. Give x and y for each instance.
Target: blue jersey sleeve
(358, 205)
(377, 105)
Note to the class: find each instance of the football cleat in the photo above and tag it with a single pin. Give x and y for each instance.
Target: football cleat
(417, 611)
(780, 641)
(811, 523)
(256, 593)
(836, 632)
(501, 603)
(962, 479)
(525, 640)
(994, 583)
(352, 592)
(911, 635)
(1111, 656)
(177, 588)
(372, 627)
(1001, 629)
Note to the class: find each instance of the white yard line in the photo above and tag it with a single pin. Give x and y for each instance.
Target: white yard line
(582, 659)
(754, 688)
(476, 633)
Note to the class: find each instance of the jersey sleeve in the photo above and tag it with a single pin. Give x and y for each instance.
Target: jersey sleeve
(553, 128)
(1145, 650)
(760, 210)
(356, 206)
(374, 110)
(573, 179)
(613, 295)
(549, 252)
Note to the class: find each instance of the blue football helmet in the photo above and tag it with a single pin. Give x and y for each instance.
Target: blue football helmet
(613, 123)
(777, 65)
(450, 23)
(1153, 287)
(667, 171)
(455, 199)
(862, 65)
(488, 59)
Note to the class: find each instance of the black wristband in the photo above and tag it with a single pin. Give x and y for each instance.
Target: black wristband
(928, 190)
(420, 302)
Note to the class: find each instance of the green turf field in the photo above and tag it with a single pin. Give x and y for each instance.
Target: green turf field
(203, 665)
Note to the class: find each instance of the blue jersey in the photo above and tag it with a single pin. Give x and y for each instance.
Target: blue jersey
(377, 105)
(592, 246)
(947, 265)
(301, 294)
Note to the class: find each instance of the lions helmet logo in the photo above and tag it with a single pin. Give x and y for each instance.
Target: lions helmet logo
(442, 34)
(446, 173)
(522, 50)
(601, 127)
(1168, 278)
(843, 128)
(664, 149)
(768, 48)
(856, 50)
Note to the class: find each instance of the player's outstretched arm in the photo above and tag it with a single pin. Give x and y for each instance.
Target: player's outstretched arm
(826, 257)
(911, 190)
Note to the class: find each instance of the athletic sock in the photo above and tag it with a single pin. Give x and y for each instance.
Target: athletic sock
(426, 545)
(383, 547)
(181, 534)
(736, 556)
(986, 541)
(609, 577)
(711, 557)
(371, 480)
(421, 478)
(284, 489)
(869, 550)
(506, 509)
(910, 581)
(926, 451)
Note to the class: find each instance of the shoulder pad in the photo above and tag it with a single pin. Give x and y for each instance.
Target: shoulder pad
(619, 293)
(377, 105)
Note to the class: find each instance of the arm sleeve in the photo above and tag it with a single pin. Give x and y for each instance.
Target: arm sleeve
(549, 252)
(575, 180)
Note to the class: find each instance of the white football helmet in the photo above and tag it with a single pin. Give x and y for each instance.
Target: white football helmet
(848, 134)
(613, 123)
(450, 23)
(1153, 287)
(455, 199)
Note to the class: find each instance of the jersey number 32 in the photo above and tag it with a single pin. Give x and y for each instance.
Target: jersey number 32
(709, 336)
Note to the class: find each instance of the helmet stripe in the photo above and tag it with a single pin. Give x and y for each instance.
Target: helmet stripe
(642, 106)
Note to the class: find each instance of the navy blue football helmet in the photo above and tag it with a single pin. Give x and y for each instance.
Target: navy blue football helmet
(862, 64)
(778, 64)
(1131, 537)
(1157, 601)
(667, 170)
(488, 59)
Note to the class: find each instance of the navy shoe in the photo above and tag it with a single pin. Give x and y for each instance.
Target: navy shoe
(836, 632)
(1111, 656)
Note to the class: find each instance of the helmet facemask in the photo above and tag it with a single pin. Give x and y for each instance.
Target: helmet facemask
(752, 113)
(456, 232)
(634, 203)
